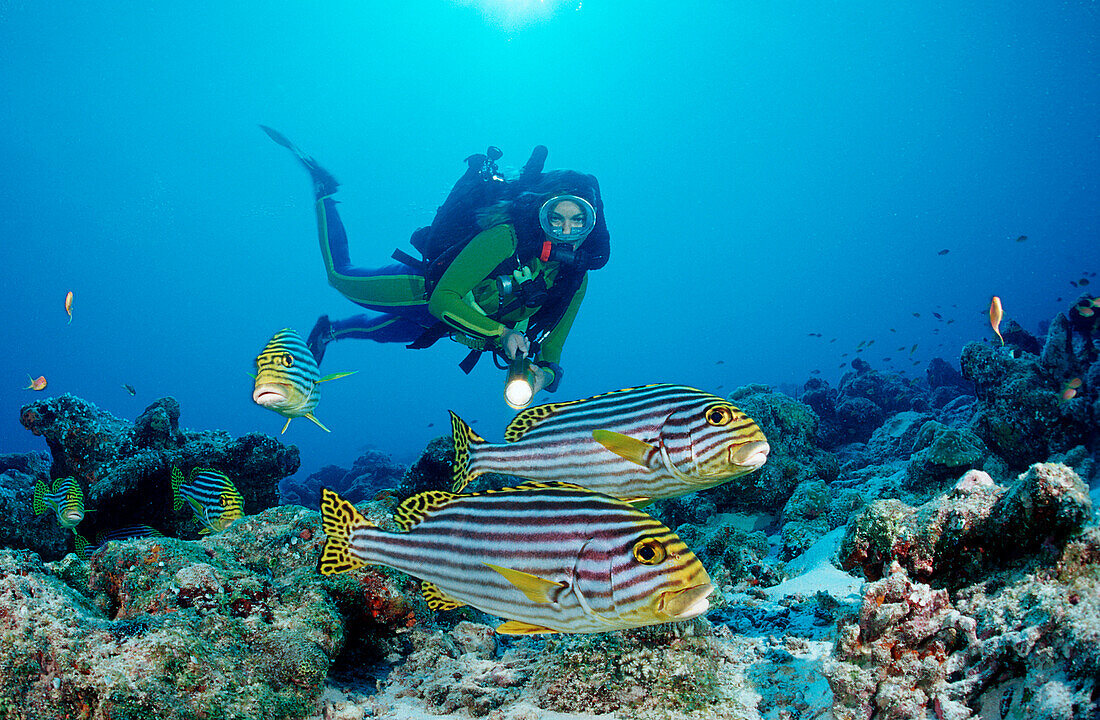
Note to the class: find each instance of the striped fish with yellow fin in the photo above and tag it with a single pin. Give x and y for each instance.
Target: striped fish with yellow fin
(66, 498)
(639, 444)
(288, 378)
(548, 557)
(212, 496)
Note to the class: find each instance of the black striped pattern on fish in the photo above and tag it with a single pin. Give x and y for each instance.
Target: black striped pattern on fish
(286, 359)
(85, 549)
(549, 557)
(643, 443)
(211, 494)
(66, 498)
(288, 380)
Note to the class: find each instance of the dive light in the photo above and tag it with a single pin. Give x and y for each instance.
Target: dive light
(517, 388)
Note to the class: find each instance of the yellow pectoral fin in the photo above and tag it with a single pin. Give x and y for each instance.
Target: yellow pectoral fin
(535, 588)
(287, 425)
(336, 376)
(310, 416)
(624, 446)
(639, 502)
(518, 627)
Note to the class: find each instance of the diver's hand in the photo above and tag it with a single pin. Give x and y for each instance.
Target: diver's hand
(511, 342)
(540, 378)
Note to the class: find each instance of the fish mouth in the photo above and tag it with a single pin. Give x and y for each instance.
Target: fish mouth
(686, 603)
(270, 394)
(750, 455)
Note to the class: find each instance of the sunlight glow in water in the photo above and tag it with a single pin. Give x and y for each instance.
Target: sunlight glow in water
(517, 14)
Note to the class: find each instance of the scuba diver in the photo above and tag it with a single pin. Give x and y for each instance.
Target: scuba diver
(503, 268)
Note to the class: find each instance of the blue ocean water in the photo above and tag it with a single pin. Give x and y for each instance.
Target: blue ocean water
(771, 171)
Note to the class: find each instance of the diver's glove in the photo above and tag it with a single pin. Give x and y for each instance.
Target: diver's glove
(547, 375)
(512, 342)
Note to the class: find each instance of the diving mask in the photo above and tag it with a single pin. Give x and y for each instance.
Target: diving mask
(567, 218)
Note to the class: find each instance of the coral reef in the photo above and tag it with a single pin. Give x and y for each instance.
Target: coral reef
(905, 653)
(369, 474)
(1021, 414)
(1017, 648)
(976, 526)
(961, 497)
(238, 625)
(124, 469)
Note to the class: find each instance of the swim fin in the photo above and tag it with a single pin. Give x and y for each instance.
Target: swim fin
(324, 184)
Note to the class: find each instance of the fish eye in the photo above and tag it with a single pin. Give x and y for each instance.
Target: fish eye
(719, 415)
(649, 551)
(288, 359)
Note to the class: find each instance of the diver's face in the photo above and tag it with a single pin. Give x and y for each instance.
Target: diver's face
(567, 218)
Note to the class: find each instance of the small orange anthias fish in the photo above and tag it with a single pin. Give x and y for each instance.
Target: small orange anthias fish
(996, 313)
(69, 305)
(38, 383)
(1069, 389)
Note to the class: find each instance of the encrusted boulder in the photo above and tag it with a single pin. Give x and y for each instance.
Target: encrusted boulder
(976, 526)
(942, 453)
(125, 468)
(1021, 414)
(904, 656)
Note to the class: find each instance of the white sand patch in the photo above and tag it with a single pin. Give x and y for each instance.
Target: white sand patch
(813, 571)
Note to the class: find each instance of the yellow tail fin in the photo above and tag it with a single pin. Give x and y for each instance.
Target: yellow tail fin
(464, 438)
(339, 520)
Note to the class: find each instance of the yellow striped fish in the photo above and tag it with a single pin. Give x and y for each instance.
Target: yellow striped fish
(639, 444)
(287, 378)
(65, 498)
(212, 496)
(549, 557)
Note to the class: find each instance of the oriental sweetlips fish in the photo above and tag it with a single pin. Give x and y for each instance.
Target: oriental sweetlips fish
(288, 378)
(548, 557)
(639, 444)
(211, 494)
(65, 498)
(85, 549)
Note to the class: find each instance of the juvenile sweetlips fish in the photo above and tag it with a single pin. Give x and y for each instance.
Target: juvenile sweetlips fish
(639, 444)
(211, 494)
(65, 498)
(287, 378)
(548, 557)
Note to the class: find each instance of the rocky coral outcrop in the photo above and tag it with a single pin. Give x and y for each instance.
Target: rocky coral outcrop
(941, 453)
(904, 656)
(238, 625)
(125, 468)
(1020, 413)
(371, 473)
(1016, 647)
(976, 526)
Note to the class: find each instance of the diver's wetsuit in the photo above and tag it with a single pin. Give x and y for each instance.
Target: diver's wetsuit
(466, 297)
